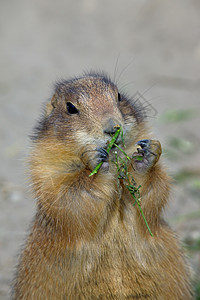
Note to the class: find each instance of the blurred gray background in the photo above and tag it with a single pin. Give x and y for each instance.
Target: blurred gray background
(157, 46)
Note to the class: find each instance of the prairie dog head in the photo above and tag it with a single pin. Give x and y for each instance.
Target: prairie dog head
(88, 110)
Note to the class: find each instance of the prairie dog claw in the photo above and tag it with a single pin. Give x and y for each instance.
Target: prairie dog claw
(148, 155)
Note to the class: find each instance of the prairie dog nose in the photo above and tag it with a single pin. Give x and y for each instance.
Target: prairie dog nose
(111, 126)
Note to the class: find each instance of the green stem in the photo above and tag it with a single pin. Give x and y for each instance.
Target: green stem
(122, 151)
(141, 212)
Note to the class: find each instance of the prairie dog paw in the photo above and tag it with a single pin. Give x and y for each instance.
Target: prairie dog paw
(92, 157)
(147, 155)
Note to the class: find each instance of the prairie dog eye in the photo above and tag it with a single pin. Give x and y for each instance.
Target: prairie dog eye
(119, 97)
(71, 108)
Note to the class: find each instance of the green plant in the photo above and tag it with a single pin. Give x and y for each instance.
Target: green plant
(123, 174)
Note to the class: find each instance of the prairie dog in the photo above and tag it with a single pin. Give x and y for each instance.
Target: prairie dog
(88, 240)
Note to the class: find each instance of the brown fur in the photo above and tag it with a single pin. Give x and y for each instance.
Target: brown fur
(87, 240)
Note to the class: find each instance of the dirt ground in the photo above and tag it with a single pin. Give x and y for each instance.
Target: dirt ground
(157, 46)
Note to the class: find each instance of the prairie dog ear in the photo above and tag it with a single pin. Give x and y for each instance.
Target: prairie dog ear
(50, 105)
(54, 101)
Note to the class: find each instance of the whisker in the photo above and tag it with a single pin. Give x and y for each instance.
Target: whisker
(116, 67)
(155, 98)
(124, 69)
(126, 84)
(147, 90)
